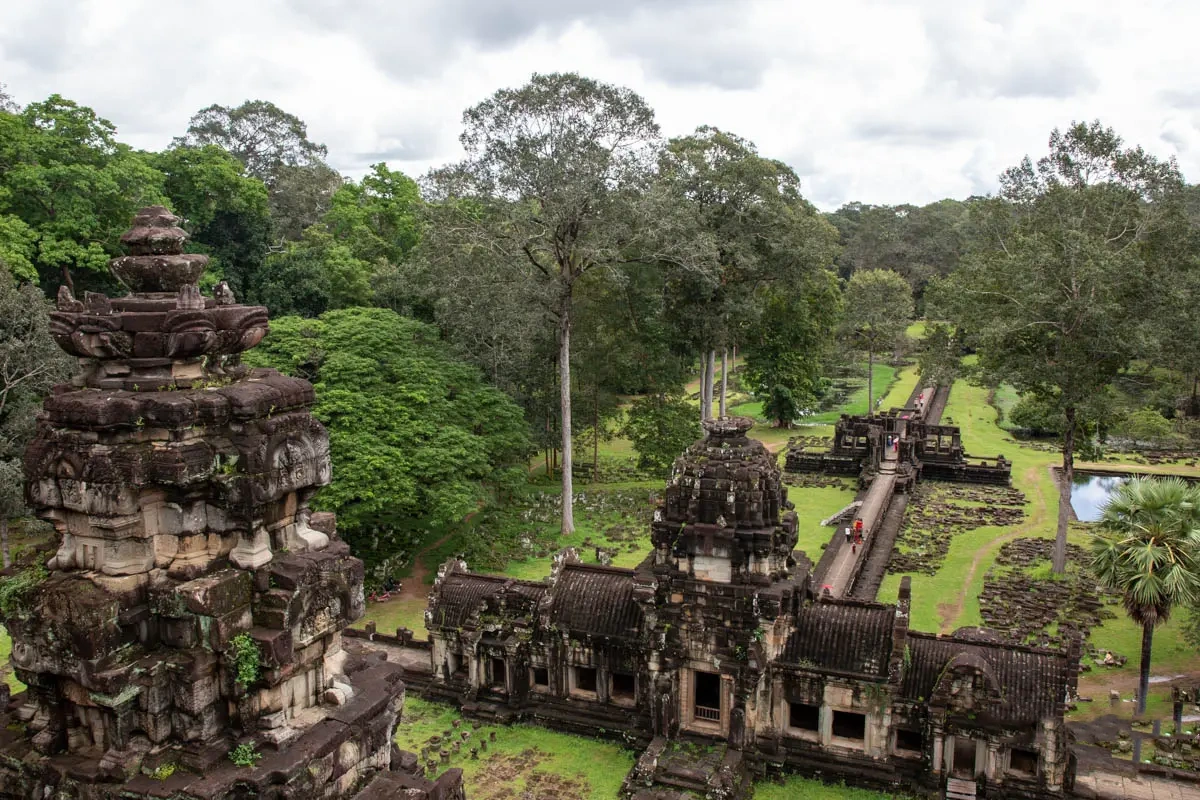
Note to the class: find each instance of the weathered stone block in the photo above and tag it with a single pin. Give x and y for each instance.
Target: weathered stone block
(217, 595)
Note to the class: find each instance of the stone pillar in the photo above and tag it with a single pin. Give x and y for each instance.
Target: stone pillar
(825, 724)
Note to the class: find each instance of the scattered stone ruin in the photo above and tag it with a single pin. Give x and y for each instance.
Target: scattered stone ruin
(720, 657)
(192, 614)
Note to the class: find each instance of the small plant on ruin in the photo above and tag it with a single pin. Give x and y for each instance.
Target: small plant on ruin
(245, 755)
(16, 589)
(164, 771)
(246, 659)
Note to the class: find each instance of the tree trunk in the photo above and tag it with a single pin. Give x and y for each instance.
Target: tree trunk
(4, 542)
(870, 379)
(66, 276)
(712, 382)
(1144, 673)
(596, 433)
(564, 379)
(1064, 491)
(1194, 408)
(705, 405)
(724, 378)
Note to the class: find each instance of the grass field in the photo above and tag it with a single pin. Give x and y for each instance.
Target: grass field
(950, 599)
(525, 758)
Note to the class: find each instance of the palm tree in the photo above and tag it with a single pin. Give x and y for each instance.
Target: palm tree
(1148, 549)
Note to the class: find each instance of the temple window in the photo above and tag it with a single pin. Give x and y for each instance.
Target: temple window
(541, 678)
(622, 688)
(848, 725)
(583, 681)
(707, 696)
(909, 740)
(804, 717)
(1022, 762)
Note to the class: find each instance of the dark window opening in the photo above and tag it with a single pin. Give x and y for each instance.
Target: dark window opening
(849, 725)
(1023, 761)
(585, 679)
(541, 676)
(804, 716)
(909, 740)
(622, 686)
(708, 696)
(498, 673)
(459, 663)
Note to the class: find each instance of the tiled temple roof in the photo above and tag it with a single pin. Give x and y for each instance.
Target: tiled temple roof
(1032, 683)
(846, 637)
(457, 596)
(597, 601)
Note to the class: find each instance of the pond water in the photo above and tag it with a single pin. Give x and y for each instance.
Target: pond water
(1089, 493)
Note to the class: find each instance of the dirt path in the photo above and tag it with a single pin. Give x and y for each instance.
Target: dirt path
(414, 585)
(950, 612)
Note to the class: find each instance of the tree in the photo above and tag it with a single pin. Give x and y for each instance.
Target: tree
(73, 185)
(764, 232)
(226, 211)
(275, 148)
(30, 364)
(660, 427)
(785, 345)
(1056, 291)
(918, 242)
(1173, 246)
(415, 434)
(878, 306)
(7, 103)
(555, 185)
(940, 360)
(258, 133)
(300, 195)
(1148, 549)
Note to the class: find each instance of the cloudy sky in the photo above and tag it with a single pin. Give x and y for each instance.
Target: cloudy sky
(883, 101)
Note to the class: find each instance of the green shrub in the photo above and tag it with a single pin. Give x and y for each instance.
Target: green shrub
(16, 589)
(661, 427)
(1039, 417)
(245, 755)
(1146, 426)
(246, 658)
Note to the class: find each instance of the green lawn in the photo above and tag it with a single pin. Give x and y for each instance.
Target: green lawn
(950, 599)
(812, 506)
(902, 387)
(525, 757)
(522, 757)
(856, 403)
(797, 788)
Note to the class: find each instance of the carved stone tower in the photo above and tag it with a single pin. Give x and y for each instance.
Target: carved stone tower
(722, 583)
(195, 604)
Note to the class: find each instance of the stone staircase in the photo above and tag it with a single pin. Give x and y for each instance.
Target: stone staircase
(958, 789)
(688, 770)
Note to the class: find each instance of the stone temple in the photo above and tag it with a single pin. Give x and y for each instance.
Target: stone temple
(718, 656)
(192, 615)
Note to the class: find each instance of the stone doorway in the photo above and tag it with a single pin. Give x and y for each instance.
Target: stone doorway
(704, 701)
(964, 758)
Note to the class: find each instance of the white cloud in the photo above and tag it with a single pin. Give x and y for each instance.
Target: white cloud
(882, 102)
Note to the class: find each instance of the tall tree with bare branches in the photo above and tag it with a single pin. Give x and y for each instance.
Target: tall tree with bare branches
(558, 183)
